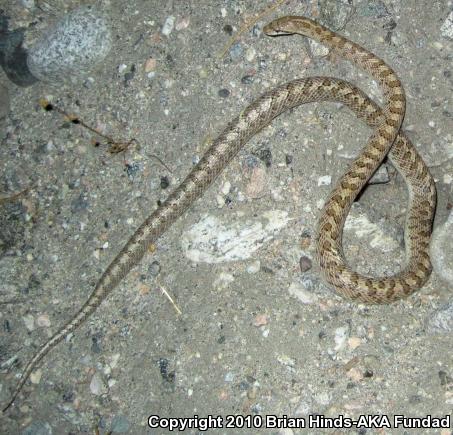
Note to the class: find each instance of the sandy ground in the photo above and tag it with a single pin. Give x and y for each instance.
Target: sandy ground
(256, 336)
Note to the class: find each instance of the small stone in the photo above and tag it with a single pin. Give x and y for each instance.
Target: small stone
(254, 267)
(229, 377)
(325, 180)
(120, 424)
(257, 184)
(29, 321)
(35, 377)
(236, 51)
(441, 321)
(297, 290)
(354, 342)
(150, 65)
(226, 188)
(97, 385)
(287, 361)
(447, 179)
(355, 374)
(250, 54)
(446, 30)
(167, 28)
(182, 24)
(261, 320)
(441, 250)
(223, 93)
(154, 268)
(38, 428)
(305, 264)
(341, 335)
(247, 80)
(43, 321)
(318, 49)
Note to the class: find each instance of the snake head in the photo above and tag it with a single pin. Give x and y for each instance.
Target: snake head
(288, 26)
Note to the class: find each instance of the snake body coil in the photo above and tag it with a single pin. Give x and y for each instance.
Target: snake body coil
(386, 121)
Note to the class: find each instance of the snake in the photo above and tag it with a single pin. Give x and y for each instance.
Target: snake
(387, 139)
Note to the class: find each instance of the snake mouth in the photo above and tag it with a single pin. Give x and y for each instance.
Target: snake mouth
(269, 30)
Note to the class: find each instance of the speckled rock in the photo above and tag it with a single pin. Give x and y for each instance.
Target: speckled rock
(441, 321)
(442, 250)
(72, 48)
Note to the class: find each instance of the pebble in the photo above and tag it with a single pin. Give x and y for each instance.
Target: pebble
(305, 264)
(213, 240)
(355, 374)
(373, 8)
(150, 65)
(447, 179)
(441, 250)
(297, 290)
(261, 320)
(229, 377)
(43, 321)
(354, 342)
(325, 180)
(236, 51)
(375, 235)
(183, 23)
(334, 13)
(341, 336)
(247, 80)
(317, 49)
(29, 321)
(154, 268)
(254, 267)
(257, 183)
(168, 26)
(441, 321)
(38, 428)
(35, 377)
(223, 93)
(446, 30)
(81, 40)
(250, 54)
(120, 424)
(97, 385)
(226, 188)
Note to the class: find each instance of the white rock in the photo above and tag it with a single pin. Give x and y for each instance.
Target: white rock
(168, 26)
(446, 30)
(325, 180)
(341, 336)
(441, 250)
(298, 290)
(254, 267)
(97, 386)
(250, 54)
(43, 321)
(29, 321)
(231, 237)
(317, 49)
(362, 227)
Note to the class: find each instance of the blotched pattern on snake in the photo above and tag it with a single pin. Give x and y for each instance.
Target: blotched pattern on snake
(386, 123)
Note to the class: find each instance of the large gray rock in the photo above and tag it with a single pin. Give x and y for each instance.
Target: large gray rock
(81, 40)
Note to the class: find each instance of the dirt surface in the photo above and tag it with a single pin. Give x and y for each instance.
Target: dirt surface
(257, 336)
